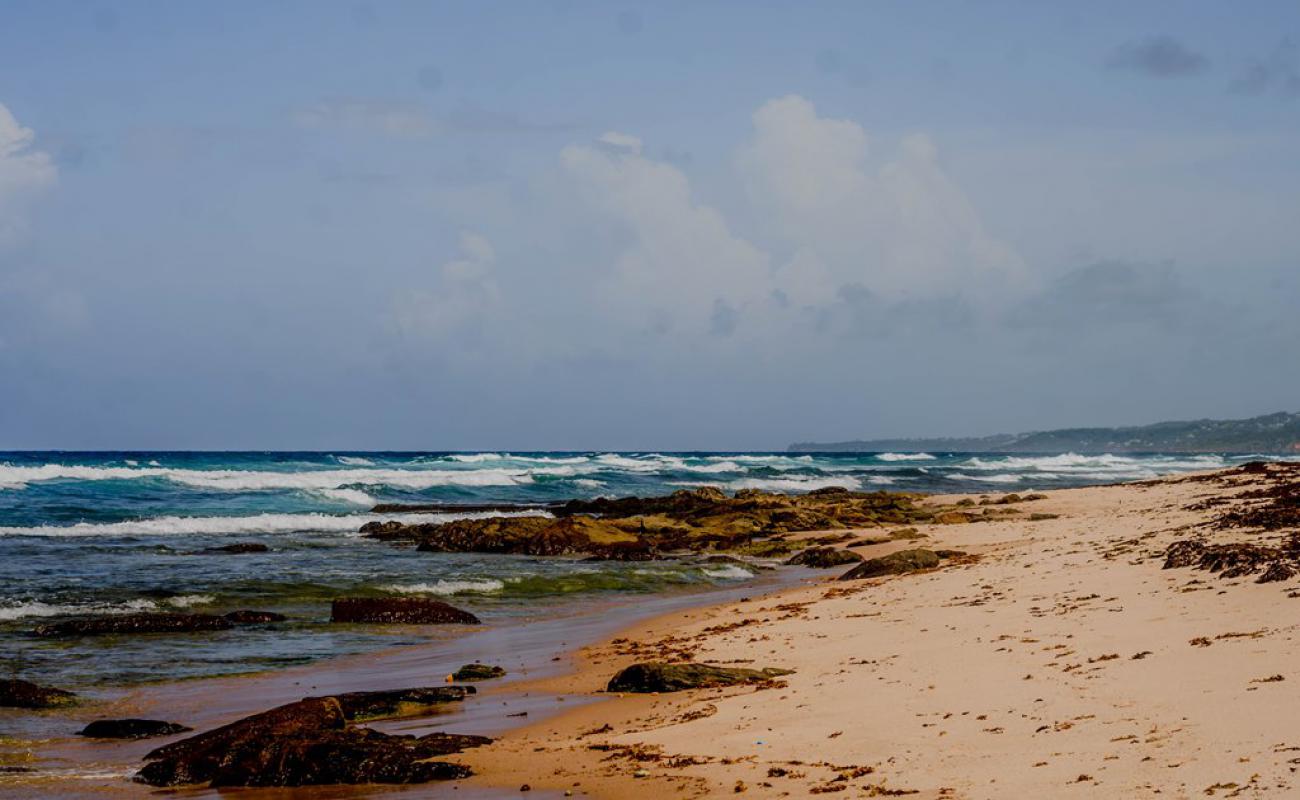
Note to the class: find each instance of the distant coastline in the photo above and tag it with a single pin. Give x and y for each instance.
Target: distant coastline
(1267, 434)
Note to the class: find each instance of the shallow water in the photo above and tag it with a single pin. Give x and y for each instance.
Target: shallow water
(115, 532)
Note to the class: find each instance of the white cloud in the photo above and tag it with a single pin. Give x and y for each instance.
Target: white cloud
(466, 293)
(24, 171)
(901, 229)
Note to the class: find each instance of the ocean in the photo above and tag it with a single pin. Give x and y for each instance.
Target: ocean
(114, 532)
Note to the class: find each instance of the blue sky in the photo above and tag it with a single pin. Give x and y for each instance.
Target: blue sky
(669, 225)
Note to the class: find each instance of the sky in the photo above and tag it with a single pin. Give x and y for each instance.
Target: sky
(671, 225)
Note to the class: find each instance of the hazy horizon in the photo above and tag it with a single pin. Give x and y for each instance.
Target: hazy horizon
(640, 227)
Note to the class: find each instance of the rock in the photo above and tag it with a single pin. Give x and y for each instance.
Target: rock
(130, 729)
(15, 693)
(478, 672)
(399, 610)
(246, 617)
(894, 564)
(237, 549)
(307, 743)
(149, 622)
(639, 550)
(823, 557)
(655, 677)
(358, 706)
(952, 518)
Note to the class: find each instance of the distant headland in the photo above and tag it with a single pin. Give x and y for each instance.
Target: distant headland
(1271, 433)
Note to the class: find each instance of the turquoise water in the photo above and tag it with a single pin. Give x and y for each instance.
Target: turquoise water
(85, 533)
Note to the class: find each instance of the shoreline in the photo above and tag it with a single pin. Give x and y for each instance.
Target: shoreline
(1062, 662)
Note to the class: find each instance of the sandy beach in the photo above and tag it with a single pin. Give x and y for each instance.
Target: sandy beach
(1060, 661)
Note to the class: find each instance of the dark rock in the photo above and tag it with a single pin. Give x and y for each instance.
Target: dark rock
(307, 743)
(238, 548)
(131, 729)
(359, 706)
(823, 557)
(529, 536)
(639, 550)
(894, 564)
(246, 617)
(478, 672)
(150, 622)
(654, 677)
(399, 610)
(15, 693)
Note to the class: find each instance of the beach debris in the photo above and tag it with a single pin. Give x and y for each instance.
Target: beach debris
(131, 729)
(652, 677)
(478, 672)
(824, 557)
(152, 622)
(1237, 559)
(307, 743)
(399, 610)
(15, 693)
(899, 563)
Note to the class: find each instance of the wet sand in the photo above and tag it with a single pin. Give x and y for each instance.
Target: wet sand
(1064, 662)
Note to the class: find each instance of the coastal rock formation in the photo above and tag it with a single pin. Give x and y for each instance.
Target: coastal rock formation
(642, 528)
(899, 563)
(16, 693)
(307, 743)
(824, 557)
(130, 729)
(358, 706)
(152, 622)
(478, 672)
(399, 610)
(655, 677)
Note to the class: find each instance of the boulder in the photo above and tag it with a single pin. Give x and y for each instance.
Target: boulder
(130, 729)
(247, 617)
(149, 622)
(15, 693)
(237, 548)
(399, 610)
(478, 672)
(896, 564)
(359, 706)
(656, 677)
(307, 743)
(823, 557)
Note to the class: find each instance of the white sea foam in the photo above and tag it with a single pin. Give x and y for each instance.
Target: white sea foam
(257, 523)
(905, 457)
(36, 608)
(354, 461)
(1007, 478)
(729, 571)
(446, 587)
(354, 496)
(588, 483)
(804, 484)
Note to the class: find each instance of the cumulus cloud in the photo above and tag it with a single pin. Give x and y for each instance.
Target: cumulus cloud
(24, 172)
(1276, 73)
(1158, 57)
(466, 292)
(897, 225)
(1116, 292)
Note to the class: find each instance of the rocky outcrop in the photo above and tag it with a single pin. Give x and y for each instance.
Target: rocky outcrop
(898, 563)
(307, 743)
(131, 729)
(824, 557)
(152, 622)
(655, 677)
(358, 706)
(642, 528)
(477, 672)
(16, 693)
(399, 610)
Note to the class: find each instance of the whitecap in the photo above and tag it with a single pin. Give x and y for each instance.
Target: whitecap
(446, 587)
(905, 457)
(730, 571)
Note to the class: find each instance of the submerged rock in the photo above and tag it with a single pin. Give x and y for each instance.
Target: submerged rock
(823, 557)
(399, 610)
(307, 743)
(153, 622)
(655, 677)
(359, 706)
(16, 693)
(478, 672)
(238, 548)
(898, 563)
(130, 729)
